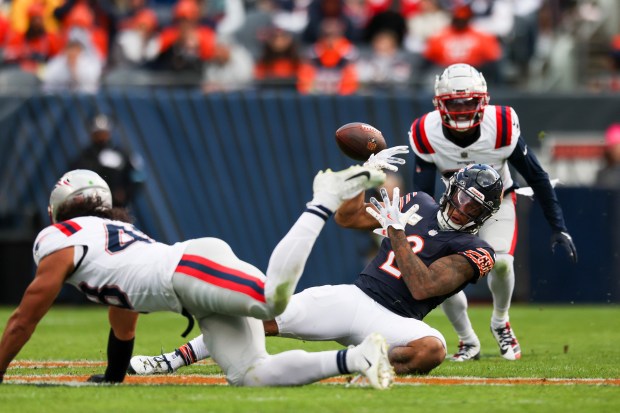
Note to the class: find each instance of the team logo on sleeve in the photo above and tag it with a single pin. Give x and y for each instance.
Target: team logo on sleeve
(482, 259)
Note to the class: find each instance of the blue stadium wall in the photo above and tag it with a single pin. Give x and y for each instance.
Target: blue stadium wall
(240, 167)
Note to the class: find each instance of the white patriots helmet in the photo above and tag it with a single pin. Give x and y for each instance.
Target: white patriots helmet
(78, 184)
(461, 96)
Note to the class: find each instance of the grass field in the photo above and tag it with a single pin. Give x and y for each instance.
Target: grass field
(558, 342)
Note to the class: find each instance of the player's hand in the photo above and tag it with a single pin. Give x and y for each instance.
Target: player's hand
(386, 159)
(389, 215)
(565, 240)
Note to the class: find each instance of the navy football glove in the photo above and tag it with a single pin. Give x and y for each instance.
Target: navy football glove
(565, 240)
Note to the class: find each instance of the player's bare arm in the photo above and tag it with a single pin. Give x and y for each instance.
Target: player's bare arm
(352, 214)
(37, 300)
(441, 277)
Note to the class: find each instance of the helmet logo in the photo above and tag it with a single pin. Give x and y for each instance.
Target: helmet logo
(477, 193)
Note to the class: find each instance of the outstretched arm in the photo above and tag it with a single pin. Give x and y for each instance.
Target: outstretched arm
(36, 302)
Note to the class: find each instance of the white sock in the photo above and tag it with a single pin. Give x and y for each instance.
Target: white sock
(501, 282)
(289, 257)
(455, 309)
(189, 353)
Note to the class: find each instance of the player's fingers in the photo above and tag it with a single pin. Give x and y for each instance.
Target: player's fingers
(376, 203)
(386, 198)
(375, 215)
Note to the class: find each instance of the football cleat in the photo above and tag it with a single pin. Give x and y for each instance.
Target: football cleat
(379, 373)
(147, 365)
(335, 187)
(466, 352)
(508, 344)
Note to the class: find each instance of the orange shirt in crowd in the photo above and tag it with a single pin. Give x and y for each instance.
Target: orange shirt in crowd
(469, 46)
(30, 53)
(19, 14)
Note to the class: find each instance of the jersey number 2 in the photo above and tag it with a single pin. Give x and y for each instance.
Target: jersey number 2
(417, 243)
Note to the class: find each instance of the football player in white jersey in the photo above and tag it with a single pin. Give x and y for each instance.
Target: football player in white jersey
(465, 129)
(94, 247)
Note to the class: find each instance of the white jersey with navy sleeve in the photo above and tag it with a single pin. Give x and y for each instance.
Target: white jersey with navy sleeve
(115, 263)
(499, 133)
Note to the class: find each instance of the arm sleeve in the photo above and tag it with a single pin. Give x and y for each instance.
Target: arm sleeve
(526, 163)
(424, 174)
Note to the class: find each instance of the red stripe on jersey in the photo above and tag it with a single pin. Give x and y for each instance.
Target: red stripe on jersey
(503, 120)
(499, 119)
(68, 227)
(513, 245)
(419, 137)
(217, 281)
(508, 114)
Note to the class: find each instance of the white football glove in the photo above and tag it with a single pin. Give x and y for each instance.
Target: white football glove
(389, 214)
(385, 159)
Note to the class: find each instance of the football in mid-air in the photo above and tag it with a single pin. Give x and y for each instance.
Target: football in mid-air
(359, 140)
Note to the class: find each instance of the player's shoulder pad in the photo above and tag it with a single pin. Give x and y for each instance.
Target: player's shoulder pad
(507, 126)
(53, 238)
(418, 138)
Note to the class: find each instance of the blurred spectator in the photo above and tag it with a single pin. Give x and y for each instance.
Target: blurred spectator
(386, 20)
(19, 14)
(609, 176)
(330, 65)
(430, 19)
(321, 10)
(131, 48)
(280, 60)
(186, 45)
(33, 48)
(231, 68)
(258, 23)
(120, 169)
(407, 8)
(101, 19)
(4, 29)
(494, 17)
(461, 43)
(76, 68)
(522, 47)
(609, 80)
(224, 16)
(385, 66)
(82, 17)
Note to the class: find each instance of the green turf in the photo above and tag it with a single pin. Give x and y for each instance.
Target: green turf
(557, 341)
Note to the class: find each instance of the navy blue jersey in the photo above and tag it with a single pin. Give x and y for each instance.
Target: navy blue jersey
(381, 278)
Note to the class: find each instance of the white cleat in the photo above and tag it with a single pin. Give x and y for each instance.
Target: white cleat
(379, 373)
(507, 341)
(147, 365)
(466, 352)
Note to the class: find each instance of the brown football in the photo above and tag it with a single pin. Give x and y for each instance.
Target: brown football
(359, 140)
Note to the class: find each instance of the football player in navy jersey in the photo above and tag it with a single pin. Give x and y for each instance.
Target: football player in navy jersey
(465, 129)
(430, 252)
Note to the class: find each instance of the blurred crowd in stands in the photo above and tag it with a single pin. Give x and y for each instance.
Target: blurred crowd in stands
(312, 46)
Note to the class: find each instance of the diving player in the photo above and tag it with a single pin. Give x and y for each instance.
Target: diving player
(429, 254)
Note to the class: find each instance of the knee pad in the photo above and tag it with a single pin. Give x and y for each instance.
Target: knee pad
(503, 265)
